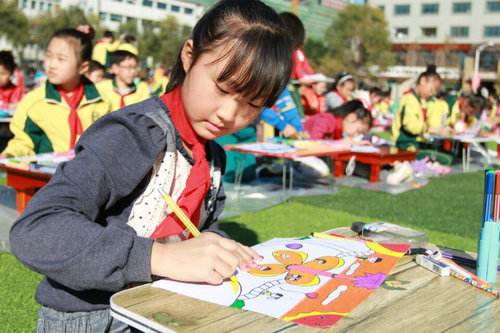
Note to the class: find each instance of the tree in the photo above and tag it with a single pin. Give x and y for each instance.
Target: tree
(162, 40)
(358, 41)
(14, 23)
(43, 27)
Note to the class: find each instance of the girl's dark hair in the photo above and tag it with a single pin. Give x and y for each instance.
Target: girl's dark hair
(84, 47)
(119, 56)
(430, 72)
(295, 29)
(256, 46)
(7, 61)
(355, 106)
(96, 66)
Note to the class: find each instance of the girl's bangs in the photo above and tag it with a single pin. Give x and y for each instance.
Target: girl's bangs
(258, 66)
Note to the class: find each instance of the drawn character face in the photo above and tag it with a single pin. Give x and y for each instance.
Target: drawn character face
(291, 261)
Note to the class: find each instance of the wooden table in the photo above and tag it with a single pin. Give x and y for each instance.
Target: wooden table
(412, 299)
(385, 156)
(25, 182)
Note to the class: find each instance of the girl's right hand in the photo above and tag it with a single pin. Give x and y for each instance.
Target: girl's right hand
(208, 258)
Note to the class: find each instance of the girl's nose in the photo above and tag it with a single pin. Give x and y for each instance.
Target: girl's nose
(227, 112)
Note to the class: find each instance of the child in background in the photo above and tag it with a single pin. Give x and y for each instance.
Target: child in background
(410, 121)
(121, 90)
(10, 94)
(283, 116)
(52, 117)
(465, 114)
(437, 115)
(101, 225)
(297, 33)
(349, 121)
(104, 47)
(343, 89)
(96, 72)
(129, 43)
(312, 93)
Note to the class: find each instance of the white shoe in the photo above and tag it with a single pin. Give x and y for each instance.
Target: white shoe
(401, 173)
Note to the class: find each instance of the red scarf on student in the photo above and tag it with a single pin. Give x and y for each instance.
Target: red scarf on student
(75, 125)
(198, 181)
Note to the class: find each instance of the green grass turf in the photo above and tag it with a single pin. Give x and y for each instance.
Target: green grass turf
(448, 209)
(18, 309)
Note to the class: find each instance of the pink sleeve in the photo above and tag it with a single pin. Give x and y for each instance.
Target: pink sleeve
(319, 127)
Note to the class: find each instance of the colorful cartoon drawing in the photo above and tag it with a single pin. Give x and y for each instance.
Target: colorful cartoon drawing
(309, 281)
(290, 262)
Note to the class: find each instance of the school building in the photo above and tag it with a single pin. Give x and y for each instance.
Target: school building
(444, 32)
(115, 12)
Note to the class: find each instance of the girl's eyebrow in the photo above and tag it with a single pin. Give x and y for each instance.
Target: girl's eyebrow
(227, 92)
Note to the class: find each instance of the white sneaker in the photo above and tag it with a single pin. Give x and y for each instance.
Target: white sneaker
(401, 173)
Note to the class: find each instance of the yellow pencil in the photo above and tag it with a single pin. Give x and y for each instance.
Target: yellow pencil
(190, 226)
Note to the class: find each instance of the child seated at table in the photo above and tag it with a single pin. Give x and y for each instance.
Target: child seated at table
(102, 223)
(52, 117)
(121, 90)
(409, 125)
(465, 115)
(10, 94)
(349, 122)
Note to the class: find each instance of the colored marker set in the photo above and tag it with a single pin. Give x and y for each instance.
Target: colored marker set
(488, 245)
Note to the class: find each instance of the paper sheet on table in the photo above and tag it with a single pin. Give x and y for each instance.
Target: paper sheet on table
(307, 280)
(364, 149)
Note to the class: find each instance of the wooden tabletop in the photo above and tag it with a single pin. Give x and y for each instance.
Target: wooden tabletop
(411, 300)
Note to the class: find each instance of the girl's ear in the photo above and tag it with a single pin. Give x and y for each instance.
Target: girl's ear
(187, 55)
(84, 68)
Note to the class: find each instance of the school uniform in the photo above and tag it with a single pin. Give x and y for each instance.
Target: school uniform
(102, 52)
(136, 93)
(410, 121)
(41, 123)
(437, 113)
(89, 231)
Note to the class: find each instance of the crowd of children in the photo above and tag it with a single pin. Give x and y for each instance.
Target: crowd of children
(243, 67)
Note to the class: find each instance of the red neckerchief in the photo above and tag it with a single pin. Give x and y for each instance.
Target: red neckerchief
(122, 97)
(7, 95)
(198, 181)
(75, 125)
(423, 109)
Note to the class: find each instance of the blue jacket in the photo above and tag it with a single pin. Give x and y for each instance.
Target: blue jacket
(286, 113)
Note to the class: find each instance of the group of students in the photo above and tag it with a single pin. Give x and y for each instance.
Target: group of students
(75, 94)
(424, 112)
(100, 225)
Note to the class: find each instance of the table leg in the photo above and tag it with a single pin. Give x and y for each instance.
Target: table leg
(468, 157)
(463, 158)
(238, 176)
(374, 173)
(338, 168)
(283, 185)
(22, 198)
